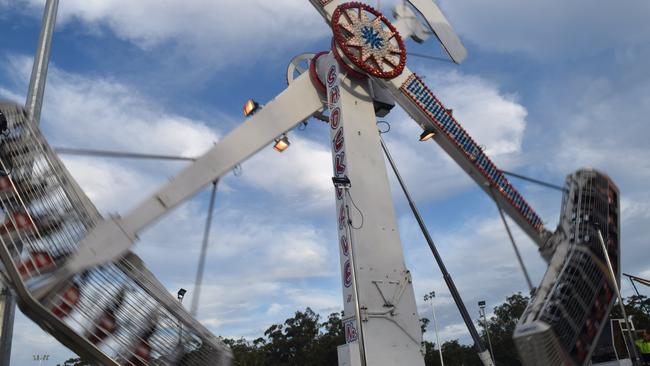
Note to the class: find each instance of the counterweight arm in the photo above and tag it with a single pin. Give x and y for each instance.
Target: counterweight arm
(113, 237)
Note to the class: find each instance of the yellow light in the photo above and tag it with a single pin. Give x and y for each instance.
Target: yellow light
(426, 135)
(250, 107)
(281, 143)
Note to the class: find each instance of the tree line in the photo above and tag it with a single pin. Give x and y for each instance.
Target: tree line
(307, 339)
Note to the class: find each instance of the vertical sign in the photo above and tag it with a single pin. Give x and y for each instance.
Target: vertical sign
(340, 171)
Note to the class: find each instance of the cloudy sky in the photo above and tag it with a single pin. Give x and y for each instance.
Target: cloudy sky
(548, 87)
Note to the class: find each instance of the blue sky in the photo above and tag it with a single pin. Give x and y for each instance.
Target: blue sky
(548, 87)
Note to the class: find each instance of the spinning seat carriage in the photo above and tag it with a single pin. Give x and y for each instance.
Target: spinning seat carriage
(46, 214)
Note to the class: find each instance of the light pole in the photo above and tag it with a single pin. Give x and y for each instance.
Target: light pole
(33, 106)
(181, 294)
(41, 358)
(7, 311)
(481, 305)
(430, 296)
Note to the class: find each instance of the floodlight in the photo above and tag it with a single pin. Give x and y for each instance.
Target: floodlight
(341, 182)
(426, 135)
(181, 294)
(250, 107)
(281, 143)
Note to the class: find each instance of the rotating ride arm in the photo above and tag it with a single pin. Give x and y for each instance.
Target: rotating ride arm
(113, 237)
(413, 95)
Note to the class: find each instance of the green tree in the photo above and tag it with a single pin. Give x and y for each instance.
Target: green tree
(424, 323)
(456, 354)
(332, 335)
(293, 342)
(304, 340)
(75, 362)
(300, 340)
(453, 352)
(247, 353)
(502, 326)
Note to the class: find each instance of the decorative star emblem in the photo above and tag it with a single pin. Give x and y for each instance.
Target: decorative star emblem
(376, 43)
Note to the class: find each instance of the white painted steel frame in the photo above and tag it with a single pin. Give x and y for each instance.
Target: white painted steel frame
(380, 313)
(421, 104)
(34, 101)
(386, 301)
(441, 28)
(113, 237)
(507, 196)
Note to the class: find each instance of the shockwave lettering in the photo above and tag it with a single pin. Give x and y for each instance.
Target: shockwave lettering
(338, 140)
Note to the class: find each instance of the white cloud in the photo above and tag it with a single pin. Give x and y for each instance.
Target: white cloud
(481, 243)
(98, 112)
(29, 340)
(275, 309)
(253, 245)
(280, 248)
(550, 29)
(634, 210)
(450, 332)
(11, 95)
(495, 119)
(301, 174)
(236, 305)
(317, 299)
(218, 33)
(603, 125)
(645, 274)
(254, 260)
(110, 186)
(603, 129)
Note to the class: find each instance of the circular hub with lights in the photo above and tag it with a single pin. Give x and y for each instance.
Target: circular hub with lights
(368, 40)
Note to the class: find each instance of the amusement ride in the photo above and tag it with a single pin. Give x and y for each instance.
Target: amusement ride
(73, 273)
